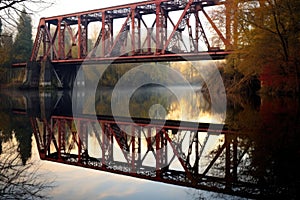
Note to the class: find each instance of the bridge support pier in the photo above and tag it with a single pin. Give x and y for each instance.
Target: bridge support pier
(45, 74)
(41, 75)
(48, 76)
(32, 75)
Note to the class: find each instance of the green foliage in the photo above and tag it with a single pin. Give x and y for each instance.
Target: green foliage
(17, 22)
(23, 43)
(15, 51)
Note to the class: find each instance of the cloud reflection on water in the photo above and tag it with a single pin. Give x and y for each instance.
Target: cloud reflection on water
(81, 183)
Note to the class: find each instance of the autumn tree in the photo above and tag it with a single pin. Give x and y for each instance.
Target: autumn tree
(268, 45)
(6, 43)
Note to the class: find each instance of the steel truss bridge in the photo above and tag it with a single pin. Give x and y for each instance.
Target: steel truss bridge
(190, 154)
(158, 30)
(124, 147)
(133, 38)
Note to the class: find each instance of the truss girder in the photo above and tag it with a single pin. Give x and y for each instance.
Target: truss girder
(125, 31)
(64, 142)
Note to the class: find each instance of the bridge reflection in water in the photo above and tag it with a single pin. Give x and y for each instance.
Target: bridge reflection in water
(195, 155)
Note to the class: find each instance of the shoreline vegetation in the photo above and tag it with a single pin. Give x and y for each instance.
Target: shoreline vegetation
(234, 83)
(264, 37)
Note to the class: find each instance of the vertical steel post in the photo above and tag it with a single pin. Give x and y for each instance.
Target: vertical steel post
(165, 26)
(197, 36)
(79, 140)
(104, 143)
(139, 48)
(149, 32)
(133, 149)
(103, 46)
(111, 36)
(197, 157)
(133, 30)
(59, 138)
(79, 39)
(44, 42)
(235, 158)
(227, 162)
(158, 152)
(85, 39)
(158, 27)
(60, 37)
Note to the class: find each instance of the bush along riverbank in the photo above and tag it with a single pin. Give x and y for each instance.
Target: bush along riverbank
(266, 85)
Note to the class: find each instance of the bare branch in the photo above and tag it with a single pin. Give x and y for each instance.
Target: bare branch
(10, 10)
(4, 4)
(18, 181)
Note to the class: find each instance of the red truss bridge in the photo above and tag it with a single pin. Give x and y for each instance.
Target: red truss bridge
(134, 31)
(177, 150)
(158, 30)
(205, 156)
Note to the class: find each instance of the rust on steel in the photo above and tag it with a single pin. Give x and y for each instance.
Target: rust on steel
(133, 32)
(59, 140)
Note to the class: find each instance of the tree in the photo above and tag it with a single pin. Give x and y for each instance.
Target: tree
(268, 47)
(282, 24)
(12, 9)
(23, 42)
(6, 43)
(0, 28)
(21, 181)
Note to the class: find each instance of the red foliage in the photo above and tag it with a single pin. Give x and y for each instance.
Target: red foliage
(273, 77)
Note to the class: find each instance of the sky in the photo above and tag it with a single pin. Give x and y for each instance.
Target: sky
(62, 7)
(70, 6)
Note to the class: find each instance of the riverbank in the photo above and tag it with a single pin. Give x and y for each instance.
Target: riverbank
(248, 85)
(10, 85)
(234, 83)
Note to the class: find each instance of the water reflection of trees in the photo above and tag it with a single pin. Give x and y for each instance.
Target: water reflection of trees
(18, 126)
(270, 127)
(140, 102)
(18, 180)
(19, 176)
(267, 136)
(189, 105)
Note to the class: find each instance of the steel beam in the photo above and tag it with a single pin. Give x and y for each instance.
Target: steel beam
(157, 138)
(155, 42)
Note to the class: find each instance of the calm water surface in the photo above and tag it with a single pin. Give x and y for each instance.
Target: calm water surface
(58, 147)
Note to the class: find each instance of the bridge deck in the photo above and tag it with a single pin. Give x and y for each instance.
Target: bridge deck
(166, 142)
(213, 55)
(148, 31)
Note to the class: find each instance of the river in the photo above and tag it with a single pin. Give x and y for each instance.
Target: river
(157, 143)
